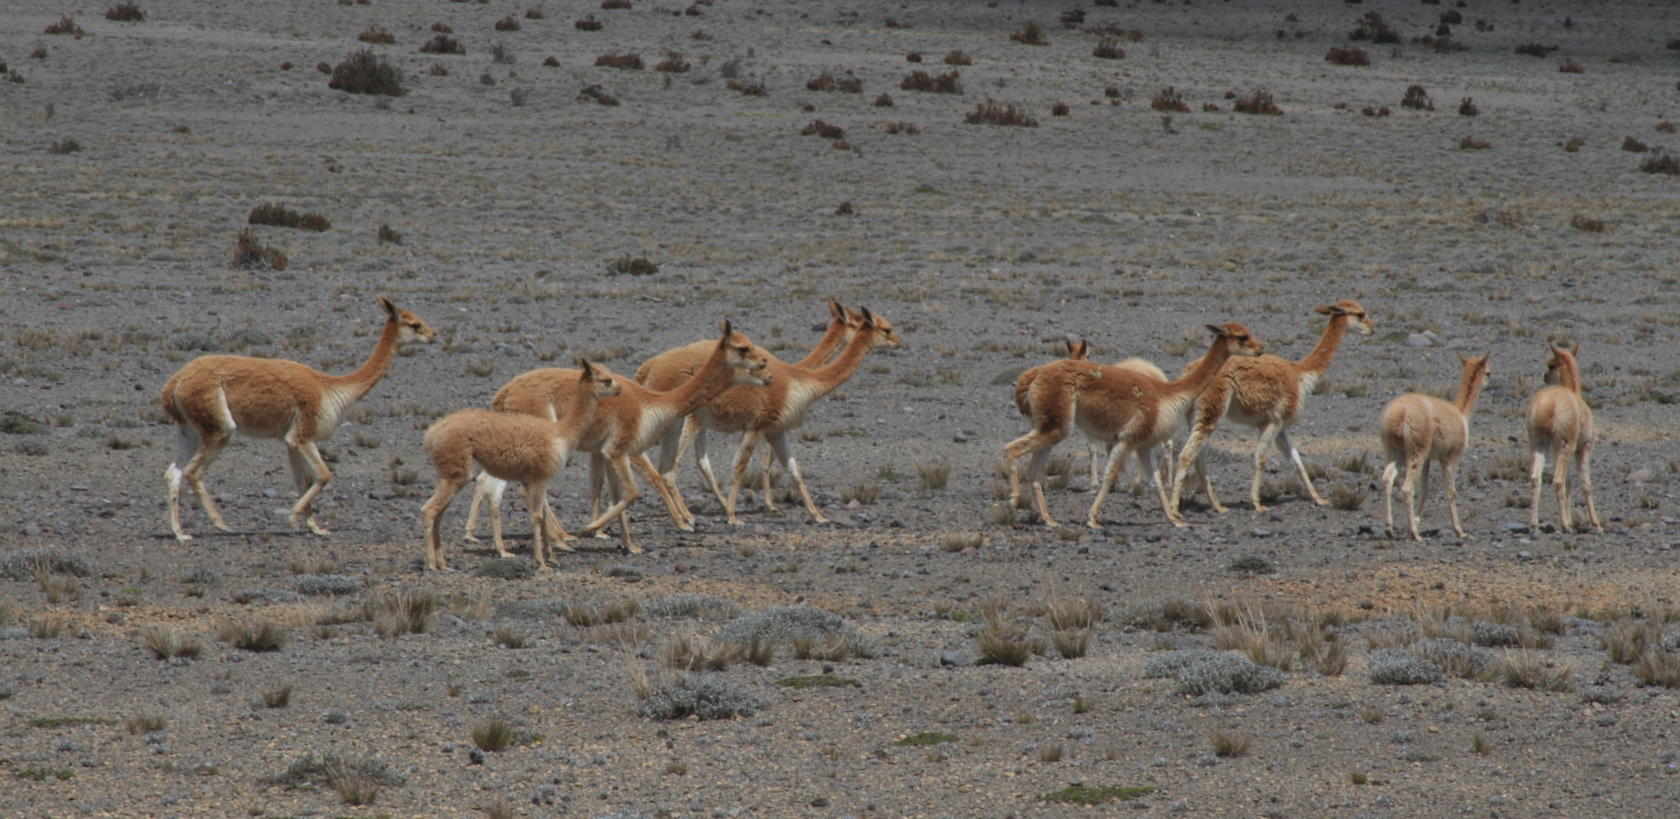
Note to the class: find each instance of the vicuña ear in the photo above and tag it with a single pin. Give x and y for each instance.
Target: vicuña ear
(868, 318)
(1332, 309)
(1217, 330)
(835, 310)
(1462, 359)
(728, 329)
(1577, 351)
(390, 309)
(588, 369)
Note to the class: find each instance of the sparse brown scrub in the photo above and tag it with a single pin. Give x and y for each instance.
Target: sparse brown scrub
(1417, 97)
(672, 64)
(1372, 27)
(588, 23)
(627, 61)
(1029, 34)
(946, 83)
(748, 89)
(442, 44)
(1536, 49)
(507, 23)
(1228, 744)
(902, 128)
(125, 13)
(958, 58)
(251, 254)
(377, 36)
(991, 113)
(600, 95)
(1470, 143)
(1169, 100)
(1108, 48)
(364, 73)
(1587, 224)
(822, 129)
(65, 25)
(1661, 162)
(1569, 66)
(1347, 56)
(1468, 108)
(1258, 101)
(1632, 145)
(1574, 144)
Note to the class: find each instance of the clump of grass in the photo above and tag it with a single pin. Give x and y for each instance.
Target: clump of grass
(1467, 107)
(65, 25)
(1470, 143)
(818, 681)
(1481, 744)
(1417, 97)
(364, 73)
(1005, 642)
(387, 236)
(507, 23)
(1251, 564)
(819, 128)
(1627, 641)
(403, 612)
(1372, 27)
(696, 654)
(165, 643)
(263, 635)
(991, 113)
(1108, 48)
(510, 637)
(935, 475)
(67, 145)
(957, 543)
(493, 734)
(1536, 49)
(923, 739)
(588, 23)
(146, 723)
(1659, 667)
(1347, 56)
(505, 568)
(584, 615)
(1571, 67)
(251, 254)
(277, 697)
(1227, 744)
(865, 493)
(672, 64)
(1525, 669)
(706, 697)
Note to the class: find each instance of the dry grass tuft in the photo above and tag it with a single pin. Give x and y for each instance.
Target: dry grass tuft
(991, 113)
(1030, 34)
(614, 60)
(251, 254)
(1347, 56)
(1108, 48)
(377, 36)
(442, 44)
(364, 73)
(946, 83)
(1227, 744)
(1169, 100)
(125, 13)
(1417, 97)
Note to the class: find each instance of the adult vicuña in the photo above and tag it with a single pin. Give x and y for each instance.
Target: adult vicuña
(1081, 351)
(510, 447)
(759, 414)
(1418, 428)
(1266, 393)
(216, 395)
(625, 425)
(1561, 423)
(1116, 405)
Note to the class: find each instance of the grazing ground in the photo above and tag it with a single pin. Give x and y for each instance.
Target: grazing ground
(505, 201)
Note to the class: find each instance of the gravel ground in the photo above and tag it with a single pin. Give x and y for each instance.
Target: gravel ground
(133, 154)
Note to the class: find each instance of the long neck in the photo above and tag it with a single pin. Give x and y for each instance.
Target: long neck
(1469, 389)
(830, 341)
(580, 411)
(836, 373)
(367, 375)
(708, 382)
(1569, 374)
(1208, 366)
(1318, 361)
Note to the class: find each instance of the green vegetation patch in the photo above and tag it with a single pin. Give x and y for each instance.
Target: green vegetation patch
(43, 774)
(926, 738)
(818, 681)
(1086, 795)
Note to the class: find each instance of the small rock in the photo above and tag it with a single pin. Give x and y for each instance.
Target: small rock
(1053, 337)
(953, 659)
(476, 756)
(1418, 340)
(1640, 476)
(1257, 532)
(959, 438)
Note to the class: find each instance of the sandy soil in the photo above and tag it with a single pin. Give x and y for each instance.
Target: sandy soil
(986, 246)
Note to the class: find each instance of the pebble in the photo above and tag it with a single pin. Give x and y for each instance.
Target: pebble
(1640, 476)
(953, 659)
(1419, 340)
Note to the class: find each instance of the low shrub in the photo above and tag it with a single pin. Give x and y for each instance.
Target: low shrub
(705, 697)
(364, 73)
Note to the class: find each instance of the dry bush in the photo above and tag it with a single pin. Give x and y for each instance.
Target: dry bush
(1626, 641)
(1347, 56)
(65, 25)
(946, 83)
(442, 44)
(828, 82)
(630, 61)
(883, 100)
(314, 222)
(377, 36)
(913, 57)
(1632, 145)
(1571, 67)
(1169, 100)
(1377, 112)
(822, 129)
(274, 214)
(67, 145)
(1661, 162)
(1468, 108)
(1108, 48)
(1586, 224)
(588, 23)
(958, 58)
(1060, 109)
(1417, 97)
(991, 113)
(1258, 101)
(1227, 744)
(672, 64)
(250, 254)
(598, 94)
(696, 654)
(699, 34)
(1072, 18)
(1030, 34)
(615, 4)
(1536, 49)
(507, 24)
(1473, 144)
(1372, 27)
(1525, 669)
(1452, 16)
(1658, 668)
(902, 128)
(748, 89)
(893, 23)
(364, 73)
(403, 612)
(125, 13)
(387, 236)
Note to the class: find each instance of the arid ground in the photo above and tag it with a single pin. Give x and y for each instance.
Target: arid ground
(504, 201)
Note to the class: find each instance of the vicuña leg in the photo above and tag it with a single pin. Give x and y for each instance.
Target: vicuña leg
(1451, 470)
(1038, 444)
(1390, 470)
(194, 453)
(1286, 445)
(310, 473)
(1583, 463)
(625, 492)
(779, 447)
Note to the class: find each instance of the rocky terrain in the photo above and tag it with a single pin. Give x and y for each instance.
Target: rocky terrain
(1495, 179)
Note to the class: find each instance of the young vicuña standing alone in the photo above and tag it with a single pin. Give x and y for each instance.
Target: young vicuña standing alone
(1267, 393)
(510, 447)
(217, 395)
(1418, 428)
(1561, 423)
(1130, 410)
